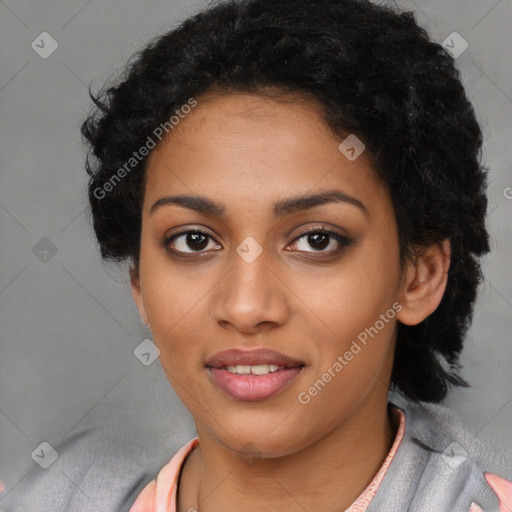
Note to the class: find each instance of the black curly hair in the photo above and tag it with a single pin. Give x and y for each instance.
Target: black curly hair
(374, 73)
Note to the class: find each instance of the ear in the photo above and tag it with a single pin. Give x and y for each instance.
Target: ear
(137, 293)
(425, 283)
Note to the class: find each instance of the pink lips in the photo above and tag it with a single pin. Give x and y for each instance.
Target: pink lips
(250, 387)
(235, 356)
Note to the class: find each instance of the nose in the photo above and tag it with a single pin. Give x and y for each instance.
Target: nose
(251, 298)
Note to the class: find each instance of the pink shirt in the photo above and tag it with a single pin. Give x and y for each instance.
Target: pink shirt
(160, 495)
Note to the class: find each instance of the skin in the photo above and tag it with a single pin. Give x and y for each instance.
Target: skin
(247, 152)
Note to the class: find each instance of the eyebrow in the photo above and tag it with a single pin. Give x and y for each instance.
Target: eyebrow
(281, 208)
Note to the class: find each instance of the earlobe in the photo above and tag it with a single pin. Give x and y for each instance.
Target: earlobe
(425, 283)
(137, 295)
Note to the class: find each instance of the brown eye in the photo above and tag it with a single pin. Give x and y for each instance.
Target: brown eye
(318, 240)
(189, 242)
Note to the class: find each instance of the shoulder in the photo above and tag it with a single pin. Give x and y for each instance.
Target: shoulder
(98, 468)
(475, 471)
(444, 434)
(160, 493)
(442, 465)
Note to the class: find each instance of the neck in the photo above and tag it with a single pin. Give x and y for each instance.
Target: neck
(327, 475)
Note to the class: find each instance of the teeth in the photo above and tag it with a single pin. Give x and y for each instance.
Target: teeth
(257, 369)
(260, 369)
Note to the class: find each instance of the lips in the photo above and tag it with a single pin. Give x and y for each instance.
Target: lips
(252, 375)
(236, 357)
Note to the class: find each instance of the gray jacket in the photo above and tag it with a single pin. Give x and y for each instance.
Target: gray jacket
(98, 469)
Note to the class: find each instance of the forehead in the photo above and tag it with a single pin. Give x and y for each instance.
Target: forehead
(256, 149)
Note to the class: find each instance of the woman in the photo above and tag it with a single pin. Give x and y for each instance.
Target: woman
(298, 189)
(302, 238)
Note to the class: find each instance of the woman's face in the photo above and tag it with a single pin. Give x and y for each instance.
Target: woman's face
(254, 279)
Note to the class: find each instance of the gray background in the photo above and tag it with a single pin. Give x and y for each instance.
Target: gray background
(68, 325)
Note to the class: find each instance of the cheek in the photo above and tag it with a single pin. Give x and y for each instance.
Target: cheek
(350, 366)
(349, 302)
(171, 291)
(174, 300)
(351, 296)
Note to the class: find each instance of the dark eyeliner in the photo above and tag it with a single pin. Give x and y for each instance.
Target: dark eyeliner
(168, 239)
(343, 240)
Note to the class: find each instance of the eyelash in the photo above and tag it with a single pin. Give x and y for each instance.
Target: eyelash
(342, 240)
